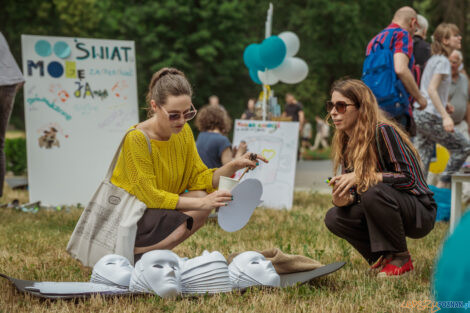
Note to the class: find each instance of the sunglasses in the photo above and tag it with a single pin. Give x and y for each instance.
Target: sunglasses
(340, 106)
(176, 116)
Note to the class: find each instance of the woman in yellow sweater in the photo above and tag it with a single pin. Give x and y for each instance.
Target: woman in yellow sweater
(160, 178)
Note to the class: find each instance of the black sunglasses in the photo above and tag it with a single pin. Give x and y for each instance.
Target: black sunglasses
(340, 106)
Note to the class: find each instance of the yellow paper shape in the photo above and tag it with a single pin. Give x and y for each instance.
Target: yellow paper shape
(442, 157)
(70, 69)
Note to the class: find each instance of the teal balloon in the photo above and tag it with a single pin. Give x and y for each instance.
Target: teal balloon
(251, 57)
(272, 52)
(254, 76)
(43, 48)
(452, 274)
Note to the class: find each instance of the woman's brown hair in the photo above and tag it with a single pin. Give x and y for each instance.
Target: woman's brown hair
(358, 152)
(443, 31)
(213, 117)
(167, 82)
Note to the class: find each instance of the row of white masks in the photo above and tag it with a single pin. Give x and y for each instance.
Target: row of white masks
(163, 273)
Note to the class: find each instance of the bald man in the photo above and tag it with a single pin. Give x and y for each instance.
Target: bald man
(398, 34)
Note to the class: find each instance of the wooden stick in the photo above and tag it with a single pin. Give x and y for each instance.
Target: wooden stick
(244, 172)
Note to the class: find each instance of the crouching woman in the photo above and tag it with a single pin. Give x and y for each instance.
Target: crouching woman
(381, 196)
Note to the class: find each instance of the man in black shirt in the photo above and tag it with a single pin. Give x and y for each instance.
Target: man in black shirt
(294, 110)
(421, 48)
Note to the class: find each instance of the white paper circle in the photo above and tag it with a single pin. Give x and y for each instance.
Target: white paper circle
(246, 197)
(292, 71)
(268, 77)
(292, 43)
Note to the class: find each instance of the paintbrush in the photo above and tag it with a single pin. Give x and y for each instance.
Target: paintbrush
(253, 157)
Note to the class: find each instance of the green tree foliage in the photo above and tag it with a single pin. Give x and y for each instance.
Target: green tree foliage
(206, 38)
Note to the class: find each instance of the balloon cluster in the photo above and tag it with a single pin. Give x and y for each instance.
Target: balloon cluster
(273, 60)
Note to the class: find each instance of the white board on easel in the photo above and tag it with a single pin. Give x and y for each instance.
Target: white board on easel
(80, 97)
(277, 142)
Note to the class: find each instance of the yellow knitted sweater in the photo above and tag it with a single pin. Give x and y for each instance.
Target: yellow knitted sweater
(158, 179)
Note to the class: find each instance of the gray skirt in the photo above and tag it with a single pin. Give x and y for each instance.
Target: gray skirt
(157, 224)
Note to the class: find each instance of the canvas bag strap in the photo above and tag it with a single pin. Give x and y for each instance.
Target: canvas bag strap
(116, 154)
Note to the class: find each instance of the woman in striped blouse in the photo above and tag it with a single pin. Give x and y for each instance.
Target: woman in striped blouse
(381, 195)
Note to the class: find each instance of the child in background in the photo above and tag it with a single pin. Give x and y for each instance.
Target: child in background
(212, 144)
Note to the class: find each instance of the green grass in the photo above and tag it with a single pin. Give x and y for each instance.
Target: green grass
(32, 247)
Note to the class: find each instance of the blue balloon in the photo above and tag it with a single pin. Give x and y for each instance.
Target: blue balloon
(251, 57)
(272, 52)
(254, 76)
(452, 274)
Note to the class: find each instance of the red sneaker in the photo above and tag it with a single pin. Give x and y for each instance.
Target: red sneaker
(380, 263)
(391, 270)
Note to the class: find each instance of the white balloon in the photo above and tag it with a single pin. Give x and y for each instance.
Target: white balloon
(268, 77)
(291, 71)
(292, 43)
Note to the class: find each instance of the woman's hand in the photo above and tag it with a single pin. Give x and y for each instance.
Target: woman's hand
(342, 201)
(250, 160)
(216, 199)
(342, 183)
(448, 124)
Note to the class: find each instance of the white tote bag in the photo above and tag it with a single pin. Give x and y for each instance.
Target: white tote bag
(108, 225)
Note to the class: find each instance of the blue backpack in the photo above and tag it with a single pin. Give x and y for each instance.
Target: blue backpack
(378, 73)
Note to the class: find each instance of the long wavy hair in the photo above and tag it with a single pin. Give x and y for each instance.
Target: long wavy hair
(443, 31)
(358, 152)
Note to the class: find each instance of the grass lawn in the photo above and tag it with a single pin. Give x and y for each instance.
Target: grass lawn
(32, 247)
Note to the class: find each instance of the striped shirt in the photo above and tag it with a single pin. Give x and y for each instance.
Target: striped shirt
(401, 42)
(399, 166)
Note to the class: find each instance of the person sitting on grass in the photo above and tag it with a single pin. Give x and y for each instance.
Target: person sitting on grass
(212, 143)
(381, 195)
(161, 178)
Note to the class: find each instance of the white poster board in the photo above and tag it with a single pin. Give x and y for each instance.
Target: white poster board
(277, 142)
(80, 97)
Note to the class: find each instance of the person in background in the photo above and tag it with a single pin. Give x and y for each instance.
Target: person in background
(381, 196)
(11, 80)
(403, 25)
(459, 106)
(294, 110)
(434, 124)
(160, 179)
(305, 139)
(459, 98)
(323, 132)
(214, 101)
(249, 113)
(212, 143)
(421, 48)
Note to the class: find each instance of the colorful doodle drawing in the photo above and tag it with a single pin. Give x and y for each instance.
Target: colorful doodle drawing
(51, 105)
(58, 90)
(119, 88)
(103, 94)
(49, 139)
(85, 108)
(268, 154)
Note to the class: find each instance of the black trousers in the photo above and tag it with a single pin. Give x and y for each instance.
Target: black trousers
(381, 221)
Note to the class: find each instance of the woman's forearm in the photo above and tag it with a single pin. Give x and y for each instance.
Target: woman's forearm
(437, 102)
(227, 170)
